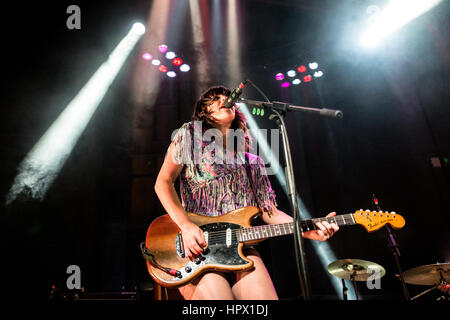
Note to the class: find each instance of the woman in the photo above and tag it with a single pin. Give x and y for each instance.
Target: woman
(210, 185)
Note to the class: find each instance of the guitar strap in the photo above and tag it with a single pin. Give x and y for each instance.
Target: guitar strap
(249, 176)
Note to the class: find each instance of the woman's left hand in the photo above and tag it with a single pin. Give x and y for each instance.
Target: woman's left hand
(324, 232)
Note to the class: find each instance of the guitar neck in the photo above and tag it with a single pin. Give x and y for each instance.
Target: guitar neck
(276, 230)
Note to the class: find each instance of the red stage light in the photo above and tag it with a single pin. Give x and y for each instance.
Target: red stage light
(307, 78)
(162, 68)
(301, 69)
(177, 62)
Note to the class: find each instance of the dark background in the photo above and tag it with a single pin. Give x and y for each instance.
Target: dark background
(396, 116)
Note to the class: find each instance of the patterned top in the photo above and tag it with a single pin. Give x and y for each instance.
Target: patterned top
(211, 186)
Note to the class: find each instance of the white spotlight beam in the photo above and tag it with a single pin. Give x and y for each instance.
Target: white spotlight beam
(234, 67)
(396, 14)
(43, 163)
(147, 80)
(203, 68)
(324, 252)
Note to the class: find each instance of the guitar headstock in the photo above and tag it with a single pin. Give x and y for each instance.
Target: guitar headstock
(374, 220)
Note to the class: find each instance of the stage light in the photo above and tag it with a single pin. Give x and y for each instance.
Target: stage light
(258, 111)
(291, 73)
(147, 56)
(162, 68)
(307, 78)
(162, 48)
(285, 84)
(156, 62)
(43, 163)
(296, 81)
(313, 65)
(233, 32)
(177, 62)
(171, 74)
(395, 15)
(279, 76)
(185, 68)
(138, 29)
(170, 55)
(318, 74)
(201, 38)
(301, 68)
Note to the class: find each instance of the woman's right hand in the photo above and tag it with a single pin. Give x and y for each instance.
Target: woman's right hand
(193, 240)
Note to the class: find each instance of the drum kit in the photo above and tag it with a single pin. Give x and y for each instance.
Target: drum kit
(361, 270)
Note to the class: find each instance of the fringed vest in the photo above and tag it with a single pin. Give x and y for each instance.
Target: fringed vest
(212, 186)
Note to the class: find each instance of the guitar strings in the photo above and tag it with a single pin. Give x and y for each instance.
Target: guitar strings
(305, 223)
(217, 236)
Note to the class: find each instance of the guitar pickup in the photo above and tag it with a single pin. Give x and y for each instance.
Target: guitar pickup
(179, 245)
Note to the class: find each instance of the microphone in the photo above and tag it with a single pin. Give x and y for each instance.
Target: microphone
(232, 98)
(331, 113)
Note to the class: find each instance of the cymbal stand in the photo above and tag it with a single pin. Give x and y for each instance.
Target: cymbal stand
(344, 290)
(352, 279)
(441, 282)
(395, 250)
(426, 291)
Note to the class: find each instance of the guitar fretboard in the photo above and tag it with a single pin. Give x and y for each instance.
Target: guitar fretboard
(276, 230)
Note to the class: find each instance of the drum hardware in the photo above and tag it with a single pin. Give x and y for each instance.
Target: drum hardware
(432, 274)
(355, 270)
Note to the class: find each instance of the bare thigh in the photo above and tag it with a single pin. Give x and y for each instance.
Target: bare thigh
(209, 286)
(256, 283)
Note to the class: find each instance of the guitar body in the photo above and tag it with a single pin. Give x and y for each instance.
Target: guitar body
(164, 242)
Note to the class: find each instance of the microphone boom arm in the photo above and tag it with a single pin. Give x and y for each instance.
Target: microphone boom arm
(284, 107)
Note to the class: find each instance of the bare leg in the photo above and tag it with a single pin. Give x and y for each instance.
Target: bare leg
(209, 286)
(256, 283)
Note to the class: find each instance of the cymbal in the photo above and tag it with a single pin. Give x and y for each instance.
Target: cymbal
(357, 270)
(430, 274)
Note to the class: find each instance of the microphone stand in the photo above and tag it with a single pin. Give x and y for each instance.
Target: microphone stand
(395, 251)
(279, 109)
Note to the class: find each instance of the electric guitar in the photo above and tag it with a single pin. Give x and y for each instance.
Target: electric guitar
(226, 235)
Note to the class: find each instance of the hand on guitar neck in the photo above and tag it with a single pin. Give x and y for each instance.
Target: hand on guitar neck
(326, 230)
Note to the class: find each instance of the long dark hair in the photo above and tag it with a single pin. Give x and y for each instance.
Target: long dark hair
(201, 114)
(200, 108)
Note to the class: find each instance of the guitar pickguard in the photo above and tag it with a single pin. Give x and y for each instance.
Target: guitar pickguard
(218, 251)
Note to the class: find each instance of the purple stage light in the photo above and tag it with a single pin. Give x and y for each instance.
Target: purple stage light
(147, 56)
(162, 48)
